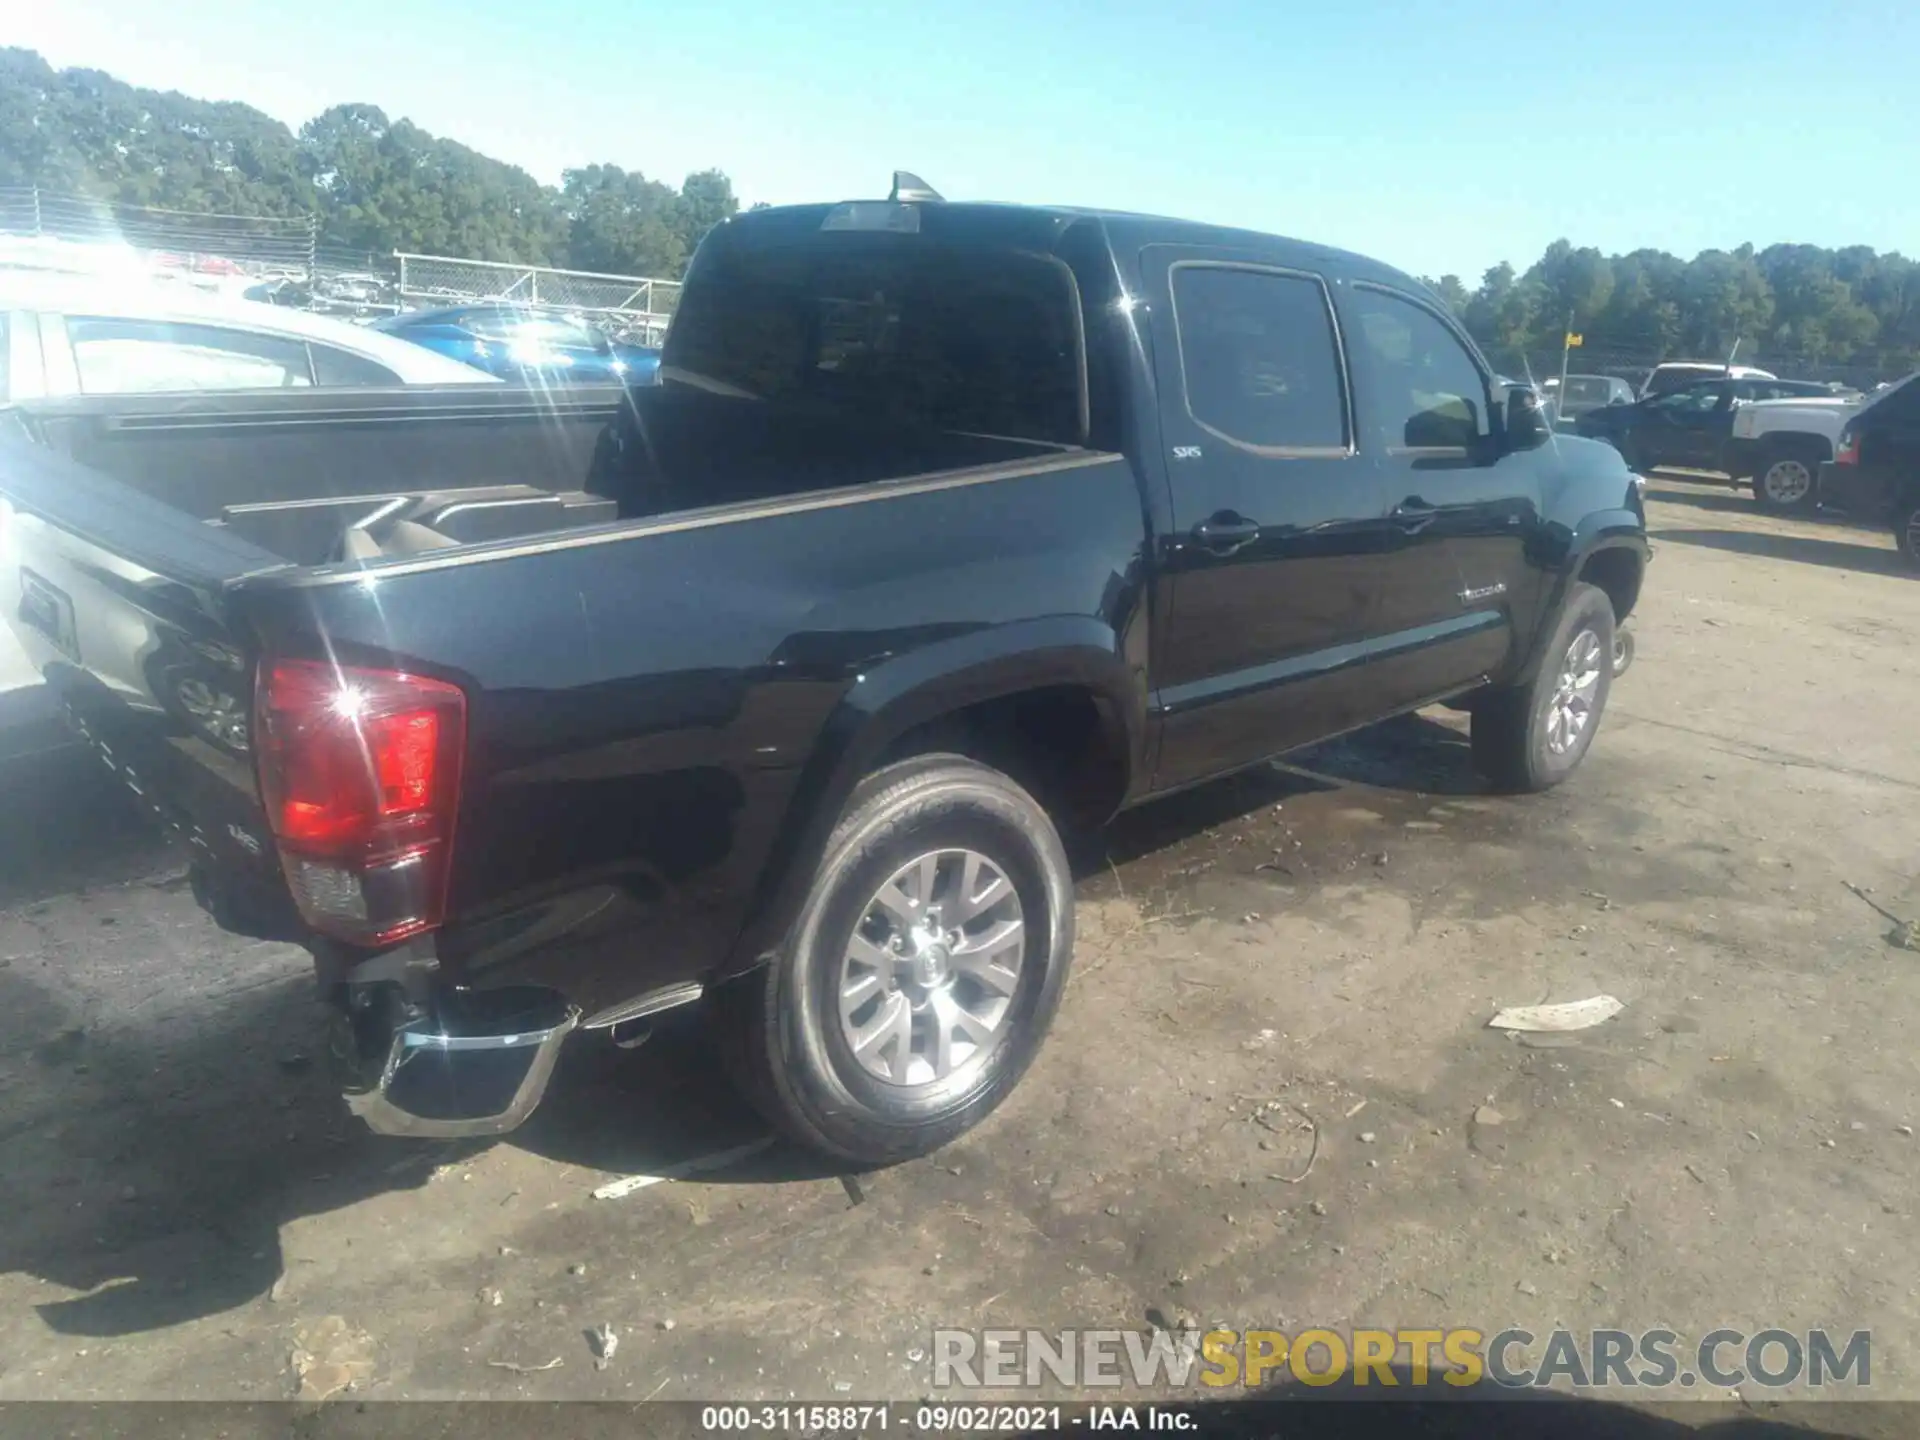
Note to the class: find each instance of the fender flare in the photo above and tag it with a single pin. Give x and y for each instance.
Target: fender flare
(1620, 529)
(903, 693)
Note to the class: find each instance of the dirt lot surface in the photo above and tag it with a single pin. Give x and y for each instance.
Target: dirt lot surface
(188, 1212)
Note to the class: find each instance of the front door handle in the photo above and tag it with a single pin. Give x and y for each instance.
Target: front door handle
(1226, 532)
(1414, 515)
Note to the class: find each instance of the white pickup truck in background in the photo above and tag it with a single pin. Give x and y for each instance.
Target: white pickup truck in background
(1781, 444)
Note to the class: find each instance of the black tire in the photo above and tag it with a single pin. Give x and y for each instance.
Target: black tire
(784, 1035)
(1906, 529)
(1511, 726)
(1786, 479)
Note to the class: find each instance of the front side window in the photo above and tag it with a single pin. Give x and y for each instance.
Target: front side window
(1421, 389)
(130, 357)
(1258, 358)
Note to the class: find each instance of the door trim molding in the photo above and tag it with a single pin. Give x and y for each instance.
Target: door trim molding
(1237, 684)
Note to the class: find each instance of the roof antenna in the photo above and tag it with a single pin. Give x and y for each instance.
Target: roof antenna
(909, 186)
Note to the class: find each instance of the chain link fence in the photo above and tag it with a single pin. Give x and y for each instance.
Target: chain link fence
(628, 307)
(79, 227)
(282, 260)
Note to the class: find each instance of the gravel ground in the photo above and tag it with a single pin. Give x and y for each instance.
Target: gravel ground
(190, 1212)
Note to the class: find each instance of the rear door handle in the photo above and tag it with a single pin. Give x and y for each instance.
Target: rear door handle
(1223, 534)
(1414, 515)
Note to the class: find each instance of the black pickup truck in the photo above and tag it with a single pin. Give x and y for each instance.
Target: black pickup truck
(950, 529)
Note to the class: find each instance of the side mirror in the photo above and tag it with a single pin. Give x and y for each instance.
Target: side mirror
(1526, 424)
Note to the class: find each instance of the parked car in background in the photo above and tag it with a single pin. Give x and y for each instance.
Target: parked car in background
(1689, 427)
(82, 335)
(517, 342)
(71, 334)
(1581, 393)
(1678, 374)
(1782, 443)
(1875, 471)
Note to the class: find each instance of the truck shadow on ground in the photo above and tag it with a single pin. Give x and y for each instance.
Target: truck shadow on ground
(152, 1152)
(1807, 549)
(1411, 756)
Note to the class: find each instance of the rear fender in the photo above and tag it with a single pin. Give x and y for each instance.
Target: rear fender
(916, 690)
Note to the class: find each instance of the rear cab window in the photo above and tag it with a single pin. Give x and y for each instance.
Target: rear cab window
(905, 330)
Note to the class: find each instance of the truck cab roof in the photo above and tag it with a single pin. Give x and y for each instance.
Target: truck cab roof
(1040, 227)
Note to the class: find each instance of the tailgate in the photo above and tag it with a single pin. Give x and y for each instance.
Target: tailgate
(121, 605)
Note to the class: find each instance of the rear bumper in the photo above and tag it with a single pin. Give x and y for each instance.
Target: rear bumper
(477, 1064)
(1862, 491)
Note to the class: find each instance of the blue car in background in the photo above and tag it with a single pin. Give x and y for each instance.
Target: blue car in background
(520, 342)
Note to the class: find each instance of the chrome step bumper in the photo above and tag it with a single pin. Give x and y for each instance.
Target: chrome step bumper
(476, 1065)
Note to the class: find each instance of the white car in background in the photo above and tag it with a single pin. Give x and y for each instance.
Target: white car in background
(67, 334)
(82, 335)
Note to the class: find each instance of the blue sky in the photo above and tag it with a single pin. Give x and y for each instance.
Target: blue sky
(1437, 135)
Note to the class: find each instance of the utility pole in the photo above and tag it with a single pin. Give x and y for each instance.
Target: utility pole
(1567, 341)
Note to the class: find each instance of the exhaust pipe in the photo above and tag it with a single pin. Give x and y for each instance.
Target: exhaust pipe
(475, 1063)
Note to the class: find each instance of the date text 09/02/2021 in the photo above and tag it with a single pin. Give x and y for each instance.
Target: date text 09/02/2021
(986, 1419)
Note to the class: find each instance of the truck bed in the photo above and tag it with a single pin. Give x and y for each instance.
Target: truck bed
(323, 478)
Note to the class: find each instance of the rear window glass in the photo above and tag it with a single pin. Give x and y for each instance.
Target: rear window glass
(897, 329)
(1902, 402)
(1677, 377)
(118, 356)
(342, 367)
(1586, 390)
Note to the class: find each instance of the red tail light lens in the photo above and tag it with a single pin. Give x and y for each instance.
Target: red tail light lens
(360, 773)
(1847, 452)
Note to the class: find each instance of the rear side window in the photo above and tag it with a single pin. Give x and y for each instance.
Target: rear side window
(1419, 387)
(131, 357)
(1259, 359)
(343, 367)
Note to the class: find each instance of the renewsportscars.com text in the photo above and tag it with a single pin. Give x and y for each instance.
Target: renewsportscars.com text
(1511, 1358)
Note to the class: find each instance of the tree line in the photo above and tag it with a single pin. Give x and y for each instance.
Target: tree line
(1803, 307)
(375, 184)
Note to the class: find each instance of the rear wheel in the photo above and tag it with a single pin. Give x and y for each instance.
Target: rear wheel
(1784, 480)
(923, 972)
(1531, 737)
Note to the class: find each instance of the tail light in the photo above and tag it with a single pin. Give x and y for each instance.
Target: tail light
(360, 772)
(1847, 452)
